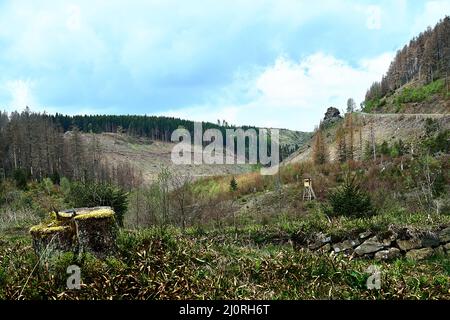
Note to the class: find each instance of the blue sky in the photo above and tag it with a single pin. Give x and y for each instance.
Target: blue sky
(266, 63)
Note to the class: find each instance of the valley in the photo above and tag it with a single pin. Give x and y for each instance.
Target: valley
(93, 207)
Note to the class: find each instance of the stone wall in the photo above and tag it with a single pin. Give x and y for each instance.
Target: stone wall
(412, 243)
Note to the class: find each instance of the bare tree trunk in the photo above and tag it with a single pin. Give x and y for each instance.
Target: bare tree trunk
(372, 139)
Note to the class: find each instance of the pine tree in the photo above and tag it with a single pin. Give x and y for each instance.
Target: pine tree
(233, 185)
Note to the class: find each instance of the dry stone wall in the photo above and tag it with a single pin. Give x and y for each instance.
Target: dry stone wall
(395, 243)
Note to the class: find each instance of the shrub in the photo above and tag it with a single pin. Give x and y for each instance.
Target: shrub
(91, 194)
(20, 177)
(65, 186)
(349, 200)
(420, 94)
(438, 143)
(374, 104)
(47, 184)
(56, 179)
(233, 185)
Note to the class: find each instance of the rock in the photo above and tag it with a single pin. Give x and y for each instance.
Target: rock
(425, 240)
(406, 234)
(420, 254)
(369, 246)
(410, 244)
(429, 240)
(318, 241)
(440, 251)
(447, 247)
(364, 235)
(326, 248)
(388, 237)
(389, 254)
(332, 115)
(444, 235)
(345, 245)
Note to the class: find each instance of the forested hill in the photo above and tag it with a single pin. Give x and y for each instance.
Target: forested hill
(417, 79)
(154, 127)
(160, 127)
(37, 145)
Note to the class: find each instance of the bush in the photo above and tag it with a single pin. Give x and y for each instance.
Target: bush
(65, 186)
(440, 143)
(420, 94)
(233, 185)
(20, 177)
(350, 200)
(374, 104)
(55, 177)
(92, 194)
(47, 185)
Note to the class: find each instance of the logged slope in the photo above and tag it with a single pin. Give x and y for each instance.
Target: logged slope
(147, 156)
(386, 127)
(414, 97)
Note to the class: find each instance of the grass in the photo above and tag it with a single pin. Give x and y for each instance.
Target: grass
(155, 264)
(419, 94)
(254, 257)
(249, 261)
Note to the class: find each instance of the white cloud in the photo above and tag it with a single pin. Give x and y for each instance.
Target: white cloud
(295, 95)
(432, 13)
(73, 22)
(373, 21)
(20, 93)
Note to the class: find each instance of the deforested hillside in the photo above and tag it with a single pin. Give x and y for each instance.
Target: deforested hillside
(147, 156)
(126, 150)
(355, 136)
(417, 79)
(413, 97)
(413, 94)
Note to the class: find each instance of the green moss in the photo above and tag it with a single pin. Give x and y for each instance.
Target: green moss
(96, 214)
(47, 229)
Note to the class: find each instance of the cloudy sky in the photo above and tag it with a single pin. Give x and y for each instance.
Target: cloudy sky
(267, 63)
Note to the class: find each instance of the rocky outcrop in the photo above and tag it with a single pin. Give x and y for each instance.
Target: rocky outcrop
(394, 243)
(331, 116)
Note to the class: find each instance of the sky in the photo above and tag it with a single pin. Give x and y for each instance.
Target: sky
(266, 63)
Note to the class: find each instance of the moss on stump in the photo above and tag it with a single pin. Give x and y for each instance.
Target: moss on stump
(96, 231)
(51, 238)
(79, 230)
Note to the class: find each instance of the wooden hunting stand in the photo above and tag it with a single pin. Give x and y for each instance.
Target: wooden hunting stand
(308, 192)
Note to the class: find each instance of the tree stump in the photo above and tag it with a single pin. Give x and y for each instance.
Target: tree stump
(91, 230)
(49, 239)
(96, 231)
